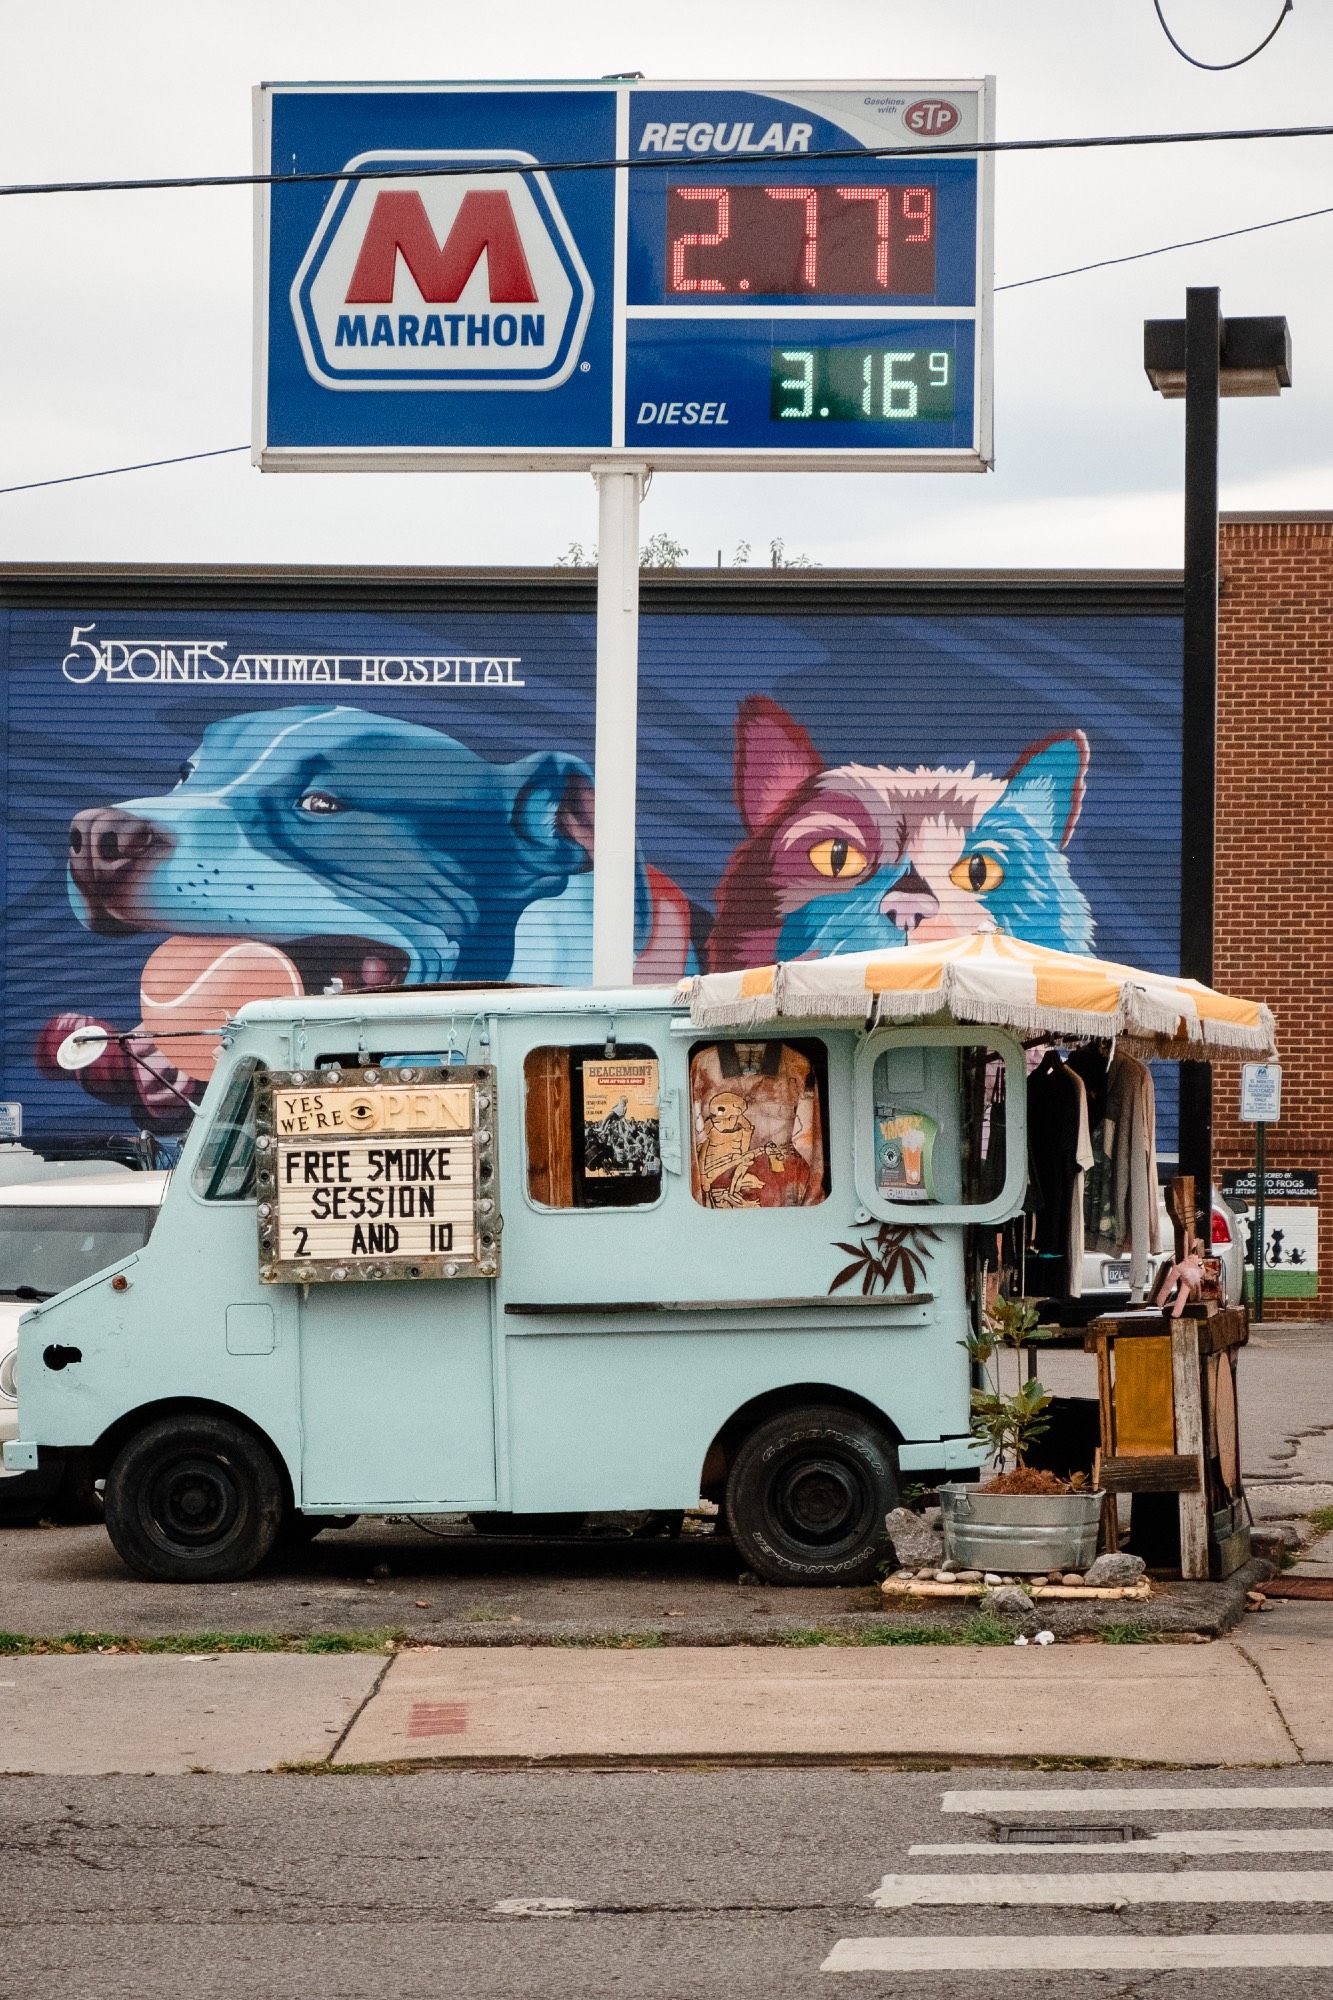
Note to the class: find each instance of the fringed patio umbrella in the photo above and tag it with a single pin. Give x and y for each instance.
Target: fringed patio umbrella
(998, 981)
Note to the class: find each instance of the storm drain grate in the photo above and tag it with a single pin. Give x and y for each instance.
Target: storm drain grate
(1061, 1836)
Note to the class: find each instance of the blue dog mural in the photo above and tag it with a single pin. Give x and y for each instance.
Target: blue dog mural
(372, 852)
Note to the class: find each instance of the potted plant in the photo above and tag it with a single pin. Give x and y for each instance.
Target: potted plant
(1021, 1520)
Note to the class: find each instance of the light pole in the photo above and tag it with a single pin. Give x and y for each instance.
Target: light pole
(1203, 357)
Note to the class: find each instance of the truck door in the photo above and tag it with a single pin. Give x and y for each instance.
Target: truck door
(380, 1205)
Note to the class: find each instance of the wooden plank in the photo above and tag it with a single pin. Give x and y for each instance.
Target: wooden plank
(549, 1129)
(1144, 1412)
(599, 1308)
(1189, 1443)
(1153, 1473)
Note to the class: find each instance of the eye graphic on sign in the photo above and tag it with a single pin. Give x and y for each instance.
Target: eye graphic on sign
(362, 1112)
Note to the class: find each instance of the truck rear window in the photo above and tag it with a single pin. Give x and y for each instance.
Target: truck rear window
(593, 1127)
(758, 1112)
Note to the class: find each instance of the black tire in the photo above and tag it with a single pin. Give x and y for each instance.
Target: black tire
(194, 1498)
(807, 1494)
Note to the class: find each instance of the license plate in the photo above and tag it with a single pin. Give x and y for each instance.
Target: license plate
(1115, 1274)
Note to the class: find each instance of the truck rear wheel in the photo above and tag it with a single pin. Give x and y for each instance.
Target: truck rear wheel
(194, 1498)
(807, 1494)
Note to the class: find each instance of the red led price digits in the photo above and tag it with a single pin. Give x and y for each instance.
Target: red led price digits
(881, 198)
(701, 239)
(919, 207)
(754, 246)
(810, 248)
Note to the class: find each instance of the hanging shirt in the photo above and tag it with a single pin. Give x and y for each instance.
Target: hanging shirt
(1130, 1141)
(756, 1127)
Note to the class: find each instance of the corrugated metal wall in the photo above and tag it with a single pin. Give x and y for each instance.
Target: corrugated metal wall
(253, 778)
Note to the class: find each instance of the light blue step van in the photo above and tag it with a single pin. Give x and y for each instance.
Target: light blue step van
(672, 1263)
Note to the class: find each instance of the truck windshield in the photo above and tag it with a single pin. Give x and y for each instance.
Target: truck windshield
(43, 1250)
(225, 1168)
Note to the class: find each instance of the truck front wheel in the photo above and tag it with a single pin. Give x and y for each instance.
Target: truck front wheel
(807, 1494)
(194, 1498)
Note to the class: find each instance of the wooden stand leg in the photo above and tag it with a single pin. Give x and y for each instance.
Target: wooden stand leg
(1187, 1394)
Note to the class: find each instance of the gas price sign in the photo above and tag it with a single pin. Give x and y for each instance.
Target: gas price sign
(778, 275)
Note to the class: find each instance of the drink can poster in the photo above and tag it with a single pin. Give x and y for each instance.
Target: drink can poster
(621, 1119)
(904, 1144)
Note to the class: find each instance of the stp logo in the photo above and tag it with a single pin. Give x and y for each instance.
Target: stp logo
(449, 281)
(931, 116)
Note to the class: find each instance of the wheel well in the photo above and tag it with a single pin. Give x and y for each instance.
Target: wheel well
(118, 1434)
(791, 1396)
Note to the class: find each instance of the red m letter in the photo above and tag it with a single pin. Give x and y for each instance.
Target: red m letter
(399, 222)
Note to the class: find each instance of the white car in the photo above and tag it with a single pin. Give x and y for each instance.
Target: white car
(55, 1231)
(1106, 1278)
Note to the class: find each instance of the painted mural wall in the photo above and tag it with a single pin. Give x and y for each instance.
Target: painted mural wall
(206, 806)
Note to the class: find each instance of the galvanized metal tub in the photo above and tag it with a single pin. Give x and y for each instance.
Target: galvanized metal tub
(1027, 1533)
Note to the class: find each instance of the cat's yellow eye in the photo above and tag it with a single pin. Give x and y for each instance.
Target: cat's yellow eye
(836, 858)
(976, 873)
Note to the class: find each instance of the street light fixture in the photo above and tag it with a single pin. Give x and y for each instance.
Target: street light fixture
(1201, 358)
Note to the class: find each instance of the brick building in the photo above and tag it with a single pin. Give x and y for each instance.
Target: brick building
(1274, 888)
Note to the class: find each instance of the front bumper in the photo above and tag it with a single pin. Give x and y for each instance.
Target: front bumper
(953, 1454)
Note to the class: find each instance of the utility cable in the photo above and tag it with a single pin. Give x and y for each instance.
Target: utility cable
(1163, 249)
(1240, 61)
(1015, 285)
(421, 170)
(110, 471)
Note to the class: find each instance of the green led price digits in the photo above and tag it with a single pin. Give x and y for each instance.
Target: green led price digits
(862, 384)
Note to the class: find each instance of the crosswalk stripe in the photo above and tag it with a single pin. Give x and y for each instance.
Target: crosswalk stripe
(1017, 1952)
(1109, 1890)
(1210, 1840)
(1160, 1798)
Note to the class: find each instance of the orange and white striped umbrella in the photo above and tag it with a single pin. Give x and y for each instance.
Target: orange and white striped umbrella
(998, 981)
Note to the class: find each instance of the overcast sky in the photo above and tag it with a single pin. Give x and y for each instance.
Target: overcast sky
(125, 325)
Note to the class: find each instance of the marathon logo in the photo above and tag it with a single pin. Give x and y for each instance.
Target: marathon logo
(390, 252)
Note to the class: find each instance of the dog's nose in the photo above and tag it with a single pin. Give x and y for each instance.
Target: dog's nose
(107, 847)
(909, 902)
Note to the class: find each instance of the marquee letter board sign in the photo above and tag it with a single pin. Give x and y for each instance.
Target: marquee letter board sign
(376, 1173)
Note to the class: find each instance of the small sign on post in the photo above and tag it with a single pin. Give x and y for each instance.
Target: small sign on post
(11, 1121)
(1260, 1093)
(1260, 1106)
(374, 1173)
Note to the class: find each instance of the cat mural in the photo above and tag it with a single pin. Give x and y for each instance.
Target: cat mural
(859, 856)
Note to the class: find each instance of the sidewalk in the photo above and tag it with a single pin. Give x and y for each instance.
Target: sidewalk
(1265, 1699)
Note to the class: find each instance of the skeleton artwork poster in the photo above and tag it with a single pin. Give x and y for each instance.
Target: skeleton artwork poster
(757, 1131)
(621, 1119)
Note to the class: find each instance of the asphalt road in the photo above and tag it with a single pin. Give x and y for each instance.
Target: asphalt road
(689, 1885)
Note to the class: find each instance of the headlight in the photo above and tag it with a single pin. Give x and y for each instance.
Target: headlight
(8, 1383)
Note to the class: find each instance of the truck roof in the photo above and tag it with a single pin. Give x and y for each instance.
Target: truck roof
(445, 1003)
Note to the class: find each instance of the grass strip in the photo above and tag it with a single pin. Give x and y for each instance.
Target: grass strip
(383, 1639)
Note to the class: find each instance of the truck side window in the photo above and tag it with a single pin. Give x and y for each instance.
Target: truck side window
(225, 1168)
(758, 1112)
(593, 1127)
(917, 1094)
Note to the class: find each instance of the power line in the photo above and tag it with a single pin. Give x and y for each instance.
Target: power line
(1190, 243)
(110, 471)
(686, 161)
(1015, 285)
(1240, 61)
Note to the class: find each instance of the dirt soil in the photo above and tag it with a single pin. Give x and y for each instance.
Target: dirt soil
(453, 1587)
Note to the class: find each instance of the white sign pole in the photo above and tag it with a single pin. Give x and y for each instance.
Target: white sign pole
(619, 491)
